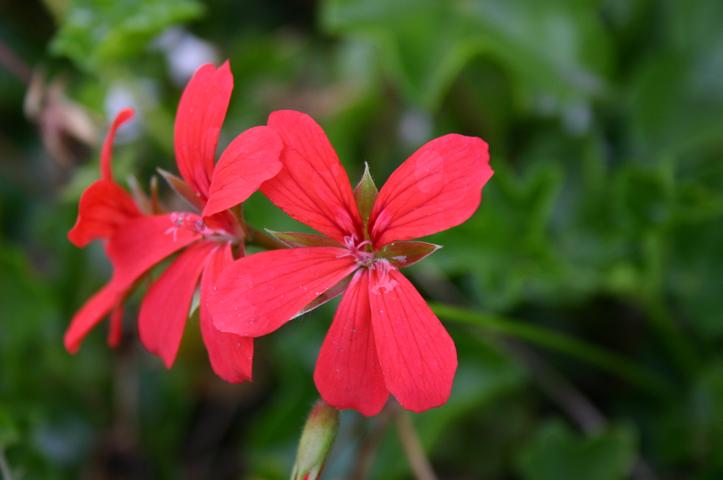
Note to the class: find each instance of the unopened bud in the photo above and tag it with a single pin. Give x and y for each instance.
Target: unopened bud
(365, 194)
(316, 442)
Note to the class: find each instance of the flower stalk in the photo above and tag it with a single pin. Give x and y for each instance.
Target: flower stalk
(316, 441)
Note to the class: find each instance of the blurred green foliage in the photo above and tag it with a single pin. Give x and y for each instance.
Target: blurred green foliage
(95, 33)
(556, 452)
(601, 229)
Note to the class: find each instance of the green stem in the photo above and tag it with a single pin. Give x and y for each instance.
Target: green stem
(559, 342)
(650, 300)
(665, 326)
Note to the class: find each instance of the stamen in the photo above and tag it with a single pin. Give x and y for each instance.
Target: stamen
(363, 257)
(350, 241)
(181, 220)
(384, 281)
(177, 221)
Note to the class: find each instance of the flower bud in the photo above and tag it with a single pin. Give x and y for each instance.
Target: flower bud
(316, 441)
(365, 194)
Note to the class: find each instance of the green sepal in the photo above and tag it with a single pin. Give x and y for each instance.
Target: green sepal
(325, 297)
(183, 189)
(404, 253)
(298, 239)
(195, 302)
(365, 194)
(139, 196)
(155, 201)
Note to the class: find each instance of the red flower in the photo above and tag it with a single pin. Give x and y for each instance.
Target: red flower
(384, 338)
(137, 241)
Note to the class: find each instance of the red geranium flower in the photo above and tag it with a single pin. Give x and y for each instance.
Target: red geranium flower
(384, 338)
(137, 241)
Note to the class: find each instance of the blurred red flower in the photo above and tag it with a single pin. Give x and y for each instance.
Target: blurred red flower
(136, 241)
(384, 338)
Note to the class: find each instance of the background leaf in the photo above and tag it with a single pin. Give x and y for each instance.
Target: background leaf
(95, 33)
(556, 452)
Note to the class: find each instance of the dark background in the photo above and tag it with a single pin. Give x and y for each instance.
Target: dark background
(587, 288)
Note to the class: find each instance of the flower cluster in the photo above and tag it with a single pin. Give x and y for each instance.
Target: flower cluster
(384, 339)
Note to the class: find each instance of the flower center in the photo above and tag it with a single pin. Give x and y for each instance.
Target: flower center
(363, 257)
(195, 224)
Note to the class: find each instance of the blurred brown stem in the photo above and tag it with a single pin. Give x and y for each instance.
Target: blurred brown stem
(369, 446)
(562, 392)
(413, 447)
(566, 396)
(13, 64)
(126, 395)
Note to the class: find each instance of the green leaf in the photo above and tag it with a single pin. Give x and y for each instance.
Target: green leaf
(676, 96)
(94, 32)
(556, 341)
(555, 49)
(8, 431)
(555, 452)
(644, 196)
(692, 426)
(696, 275)
(512, 254)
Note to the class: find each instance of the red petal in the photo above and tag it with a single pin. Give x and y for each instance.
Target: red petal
(91, 313)
(231, 356)
(144, 241)
(416, 353)
(104, 206)
(438, 187)
(165, 307)
(138, 245)
(106, 153)
(115, 331)
(248, 161)
(259, 293)
(312, 187)
(200, 116)
(347, 372)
